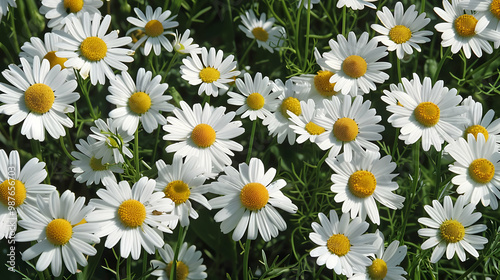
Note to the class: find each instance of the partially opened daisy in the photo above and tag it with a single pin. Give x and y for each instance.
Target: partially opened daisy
(140, 101)
(189, 263)
(304, 125)
(355, 63)
(112, 141)
(343, 244)
(401, 31)
(136, 216)
(356, 4)
(61, 233)
(477, 123)
(154, 26)
(57, 11)
(451, 229)
(39, 96)
(249, 201)
(4, 6)
(184, 44)
(45, 49)
(263, 31)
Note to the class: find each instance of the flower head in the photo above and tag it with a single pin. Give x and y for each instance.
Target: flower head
(263, 31)
(58, 11)
(189, 263)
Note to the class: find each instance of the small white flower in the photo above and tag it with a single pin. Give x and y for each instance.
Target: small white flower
(45, 49)
(184, 44)
(263, 31)
(112, 142)
(189, 263)
(58, 11)
(477, 123)
(356, 4)
(304, 125)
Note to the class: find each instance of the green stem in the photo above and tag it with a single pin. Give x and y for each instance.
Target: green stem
(398, 64)
(308, 24)
(83, 84)
(155, 147)
(344, 16)
(36, 149)
(422, 6)
(245, 259)
(129, 268)
(180, 240)
(63, 146)
(144, 262)
(472, 268)
(440, 65)
(170, 65)
(412, 194)
(136, 154)
(250, 144)
(246, 52)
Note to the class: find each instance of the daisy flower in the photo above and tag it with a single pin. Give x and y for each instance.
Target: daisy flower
(4, 6)
(140, 101)
(490, 9)
(451, 229)
(40, 97)
(112, 142)
(256, 99)
(134, 216)
(355, 63)
(349, 124)
(306, 3)
(477, 165)
(58, 11)
(342, 244)
(267, 35)
(464, 31)
(154, 27)
(361, 181)
(184, 44)
(304, 125)
(401, 31)
(189, 265)
(211, 71)
(477, 123)
(89, 49)
(61, 232)
(356, 4)
(203, 134)
(249, 201)
(430, 113)
(45, 49)
(389, 96)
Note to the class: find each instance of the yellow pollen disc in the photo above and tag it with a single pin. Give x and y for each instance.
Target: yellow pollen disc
(203, 135)
(112, 142)
(139, 102)
(495, 8)
(178, 191)
(377, 270)
(400, 34)
(362, 183)
(96, 164)
(475, 130)
(338, 244)
(12, 191)
(314, 129)
(153, 28)
(291, 104)
(93, 48)
(452, 231)
(427, 114)
(260, 34)
(209, 75)
(481, 170)
(323, 85)
(181, 270)
(73, 6)
(54, 59)
(59, 231)
(345, 129)
(132, 213)
(465, 25)
(39, 98)
(254, 196)
(255, 101)
(354, 66)
(83, 221)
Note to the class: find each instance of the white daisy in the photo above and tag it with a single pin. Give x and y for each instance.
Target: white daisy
(343, 244)
(304, 125)
(154, 27)
(112, 142)
(211, 71)
(389, 96)
(4, 6)
(263, 31)
(356, 4)
(349, 124)
(134, 216)
(59, 228)
(204, 134)
(451, 229)
(140, 101)
(249, 201)
(57, 11)
(45, 49)
(361, 181)
(477, 123)
(40, 97)
(477, 165)
(89, 49)
(184, 44)
(490, 9)
(355, 63)
(189, 265)
(401, 31)
(306, 3)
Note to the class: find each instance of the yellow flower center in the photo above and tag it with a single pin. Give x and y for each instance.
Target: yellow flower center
(39, 98)
(260, 34)
(465, 25)
(323, 85)
(139, 102)
(254, 196)
(495, 8)
(345, 129)
(132, 213)
(55, 60)
(338, 244)
(362, 183)
(93, 48)
(481, 170)
(73, 6)
(209, 74)
(255, 101)
(314, 129)
(59, 231)
(83, 221)
(400, 34)
(178, 191)
(475, 130)
(203, 135)
(112, 142)
(354, 66)
(12, 191)
(291, 104)
(378, 269)
(181, 270)
(96, 164)
(452, 231)
(427, 113)
(153, 28)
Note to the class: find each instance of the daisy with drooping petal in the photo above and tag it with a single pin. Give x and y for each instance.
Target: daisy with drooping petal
(45, 49)
(304, 125)
(141, 101)
(4, 7)
(61, 232)
(477, 123)
(112, 141)
(184, 44)
(451, 229)
(136, 216)
(356, 4)
(57, 11)
(189, 263)
(249, 201)
(263, 31)
(401, 31)
(40, 97)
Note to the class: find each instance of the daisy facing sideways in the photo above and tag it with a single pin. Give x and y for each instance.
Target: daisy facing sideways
(304, 125)
(45, 49)
(477, 123)
(189, 263)
(184, 44)
(112, 141)
(267, 35)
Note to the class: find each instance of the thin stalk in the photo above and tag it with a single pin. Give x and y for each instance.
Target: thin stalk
(180, 240)
(344, 16)
(422, 6)
(398, 65)
(155, 147)
(144, 262)
(250, 144)
(36, 149)
(438, 173)
(416, 172)
(63, 146)
(246, 52)
(136, 153)
(170, 65)
(308, 24)
(245, 259)
(129, 268)
(440, 65)
(472, 268)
